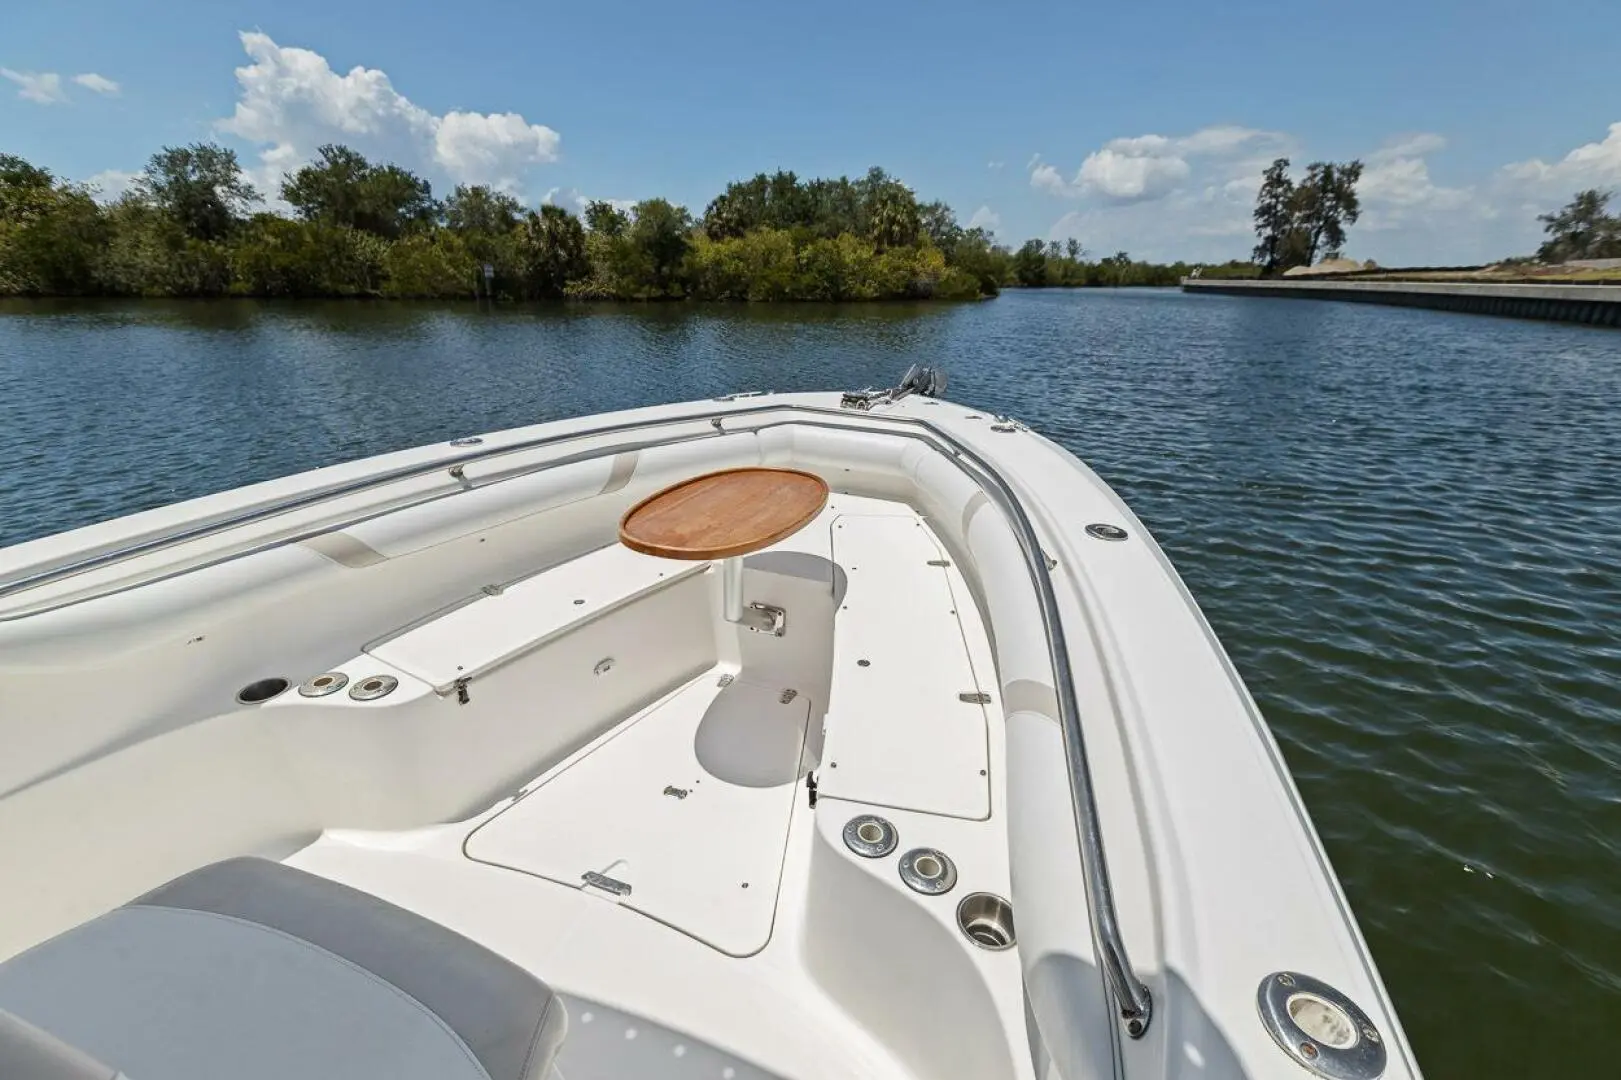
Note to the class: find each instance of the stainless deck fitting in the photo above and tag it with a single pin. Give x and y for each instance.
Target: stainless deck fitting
(373, 687)
(321, 685)
(1320, 1028)
(928, 871)
(870, 836)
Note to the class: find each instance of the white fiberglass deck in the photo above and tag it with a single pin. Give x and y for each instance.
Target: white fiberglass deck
(709, 946)
(900, 675)
(685, 808)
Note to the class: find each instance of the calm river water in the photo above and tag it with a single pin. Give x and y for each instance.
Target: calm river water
(1405, 525)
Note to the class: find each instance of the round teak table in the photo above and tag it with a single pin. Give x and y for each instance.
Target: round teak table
(726, 515)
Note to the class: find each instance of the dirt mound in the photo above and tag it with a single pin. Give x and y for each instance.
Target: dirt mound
(1327, 266)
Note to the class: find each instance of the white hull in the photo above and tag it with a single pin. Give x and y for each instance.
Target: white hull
(566, 707)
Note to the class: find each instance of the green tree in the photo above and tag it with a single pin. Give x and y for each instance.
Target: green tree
(842, 268)
(1581, 229)
(23, 186)
(478, 209)
(977, 255)
(273, 256)
(200, 187)
(1323, 204)
(1274, 217)
(659, 237)
(485, 220)
(939, 224)
(52, 234)
(890, 210)
(760, 265)
(1118, 267)
(148, 253)
(1030, 264)
(374, 229)
(343, 188)
(605, 218)
(429, 266)
(553, 248)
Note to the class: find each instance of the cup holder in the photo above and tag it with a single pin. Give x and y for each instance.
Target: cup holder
(987, 920)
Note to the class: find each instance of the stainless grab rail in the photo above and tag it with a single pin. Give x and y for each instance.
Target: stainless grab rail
(1132, 996)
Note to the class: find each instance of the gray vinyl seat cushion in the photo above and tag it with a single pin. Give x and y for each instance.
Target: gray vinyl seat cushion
(27, 1053)
(253, 970)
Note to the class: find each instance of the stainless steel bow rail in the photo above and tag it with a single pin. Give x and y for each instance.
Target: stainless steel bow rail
(1131, 995)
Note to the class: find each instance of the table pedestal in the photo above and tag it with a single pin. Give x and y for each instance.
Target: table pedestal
(761, 618)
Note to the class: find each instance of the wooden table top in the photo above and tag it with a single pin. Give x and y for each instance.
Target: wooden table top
(723, 514)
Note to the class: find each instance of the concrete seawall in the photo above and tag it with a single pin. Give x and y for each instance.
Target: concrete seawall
(1597, 305)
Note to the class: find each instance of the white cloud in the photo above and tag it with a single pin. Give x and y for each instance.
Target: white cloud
(97, 83)
(1222, 139)
(292, 102)
(573, 197)
(1414, 212)
(1416, 144)
(987, 219)
(1128, 176)
(491, 148)
(109, 184)
(1147, 167)
(1594, 164)
(43, 87)
(1047, 178)
(1398, 176)
(624, 205)
(995, 166)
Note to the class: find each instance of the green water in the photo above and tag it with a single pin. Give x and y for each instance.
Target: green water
(1405, 525)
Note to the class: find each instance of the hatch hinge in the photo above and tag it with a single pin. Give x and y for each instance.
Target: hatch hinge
(460, 686)
(606, 883)
(810, 788)
(974, 697)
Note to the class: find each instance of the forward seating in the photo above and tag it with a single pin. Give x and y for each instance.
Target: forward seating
(253, 970)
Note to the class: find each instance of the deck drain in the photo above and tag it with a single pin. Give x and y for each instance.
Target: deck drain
(261, 690)
(870, 836)
(987, 920)
(928, 871)
(321, 685)
(373, 687)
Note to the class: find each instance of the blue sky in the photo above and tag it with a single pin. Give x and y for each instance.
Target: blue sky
(1140, 126)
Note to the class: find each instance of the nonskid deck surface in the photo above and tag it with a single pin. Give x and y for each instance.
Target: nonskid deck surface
(699, 950)
(685, 810)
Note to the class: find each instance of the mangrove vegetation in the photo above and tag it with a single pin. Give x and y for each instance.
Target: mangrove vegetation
(192, 225)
